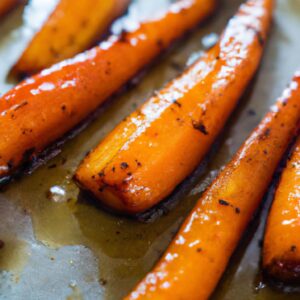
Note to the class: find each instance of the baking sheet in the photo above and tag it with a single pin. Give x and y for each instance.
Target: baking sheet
(60, 245)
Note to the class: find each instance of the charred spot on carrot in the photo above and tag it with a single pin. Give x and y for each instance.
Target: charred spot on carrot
(124, 165)
(265, 134)
(123, 36)
(223, 202)
(200, 127)
(237, 210)
(138, 163)
(259, 36)
(177, 103)
(226, 203)
(25, 131)
(284, 102)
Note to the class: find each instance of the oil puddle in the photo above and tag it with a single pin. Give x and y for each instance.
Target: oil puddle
(14, 255)
(26, 264)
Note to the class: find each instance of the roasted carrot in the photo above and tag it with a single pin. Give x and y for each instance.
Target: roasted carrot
(70, 29)
(152, 151)
(43, 108)
(281, 251)
(194, 262)
(7, 5)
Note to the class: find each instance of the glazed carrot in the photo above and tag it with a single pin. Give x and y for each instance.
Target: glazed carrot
(7, 5)
(281, 252)
(194, 262)
(45, 107)
(159, 145)
(71, 28)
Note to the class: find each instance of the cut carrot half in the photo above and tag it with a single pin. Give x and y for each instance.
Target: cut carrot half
(281, 251)
(158, 146)
(72, 27)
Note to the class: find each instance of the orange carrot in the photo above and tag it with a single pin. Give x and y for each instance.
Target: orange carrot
(281, 252)
(159, 145)
(71, 28)
(7, 5)
(196, 259)
(45, 107)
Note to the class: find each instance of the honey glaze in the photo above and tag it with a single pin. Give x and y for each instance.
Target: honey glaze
(78, 248)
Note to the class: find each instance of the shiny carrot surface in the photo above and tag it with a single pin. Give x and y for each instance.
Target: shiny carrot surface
(281, 251)
(43, 108)
(71, 28)
(7, 5)
(196, 259)
(159, 145)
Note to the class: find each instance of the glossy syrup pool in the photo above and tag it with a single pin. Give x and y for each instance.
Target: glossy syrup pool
(59, 245)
